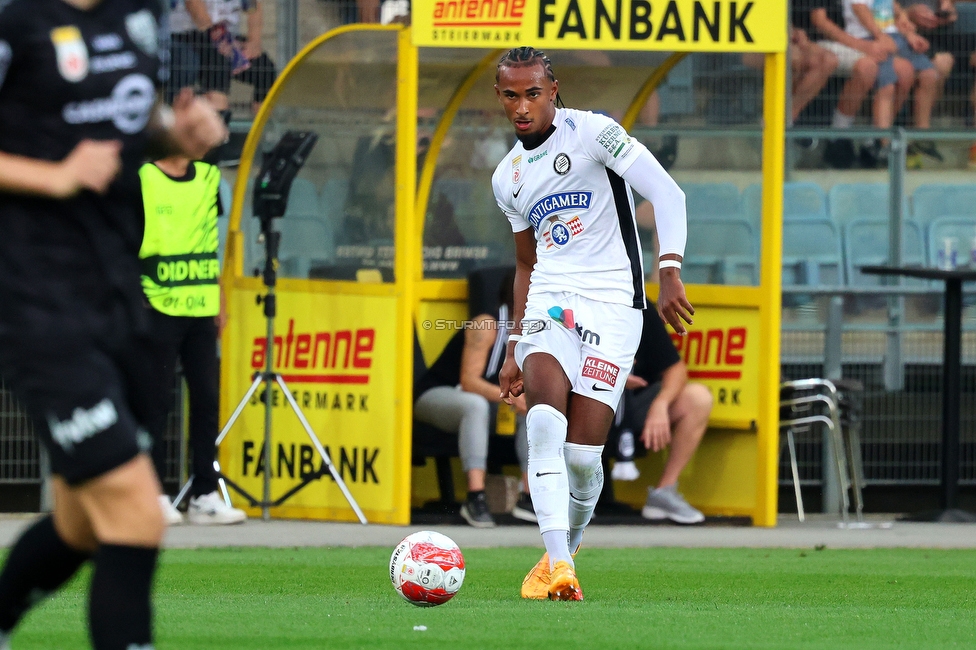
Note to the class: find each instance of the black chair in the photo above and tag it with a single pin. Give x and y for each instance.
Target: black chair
(431, 442)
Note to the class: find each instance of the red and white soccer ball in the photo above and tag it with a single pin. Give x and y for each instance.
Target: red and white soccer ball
(427, 568)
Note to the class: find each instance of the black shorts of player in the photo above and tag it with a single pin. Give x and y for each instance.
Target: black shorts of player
(85, 398)
(196, 62)
(635, 407)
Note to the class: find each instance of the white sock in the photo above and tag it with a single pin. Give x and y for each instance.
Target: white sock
(842, 121)
(585, 468)
(548, 481)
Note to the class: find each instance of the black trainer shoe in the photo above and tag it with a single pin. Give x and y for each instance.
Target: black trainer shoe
(524, 509)
(840, 154)
(475, 511)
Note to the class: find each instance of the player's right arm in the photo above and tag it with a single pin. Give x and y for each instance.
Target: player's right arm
(92, 165)
(510, 377)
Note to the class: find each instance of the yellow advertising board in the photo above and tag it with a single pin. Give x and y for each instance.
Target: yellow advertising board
(663, 25)
(721, 350)
(333, 352)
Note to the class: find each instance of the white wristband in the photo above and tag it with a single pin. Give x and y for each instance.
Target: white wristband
(665, 264)
(514, 337)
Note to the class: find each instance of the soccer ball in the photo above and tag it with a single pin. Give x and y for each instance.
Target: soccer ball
(427, 568)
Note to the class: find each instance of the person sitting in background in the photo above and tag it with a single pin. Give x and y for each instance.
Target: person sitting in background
(811, 64)
(951, 47)
(881, 21)
(867, 63)
(668, 411)
(440, 402)
(209, 28)
(481, 359)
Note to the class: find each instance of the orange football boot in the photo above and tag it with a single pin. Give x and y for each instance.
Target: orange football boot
(535, 585)
(563, 584)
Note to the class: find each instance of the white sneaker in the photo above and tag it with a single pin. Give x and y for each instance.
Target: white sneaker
(172, 516)
(624, 471)
(210, 509)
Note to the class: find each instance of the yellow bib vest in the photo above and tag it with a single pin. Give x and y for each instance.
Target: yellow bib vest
(180, 271)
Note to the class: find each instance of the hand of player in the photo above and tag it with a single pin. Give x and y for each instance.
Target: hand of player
(657, 427)
(519, 403)
(91, 165)
(510, 380)
(198, 128)
(672, 304)
(633, 382)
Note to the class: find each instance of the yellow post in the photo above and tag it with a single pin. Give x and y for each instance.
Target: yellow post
(774, 129)
(408, 265)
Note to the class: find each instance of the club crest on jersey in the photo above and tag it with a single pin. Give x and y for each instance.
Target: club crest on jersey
(562, 164)
(560, 234)
(141, 27)
(553, 204)
(72, 53)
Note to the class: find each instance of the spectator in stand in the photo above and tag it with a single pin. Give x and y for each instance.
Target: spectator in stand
(666, 410)
(936, 21)
(811, 64)
(867, 64)
(882, 21)
(208, 28)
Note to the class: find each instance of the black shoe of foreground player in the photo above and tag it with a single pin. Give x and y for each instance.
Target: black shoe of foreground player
(475, 511)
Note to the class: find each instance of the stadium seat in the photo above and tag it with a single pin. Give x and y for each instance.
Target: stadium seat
(333, 198)
(801, 200)
(850, 201)
(929, 202)
(962, 228)
(712, 200)
(721, 251)
(303, 198)
(812, 253)
(304, 241)
(866, 243)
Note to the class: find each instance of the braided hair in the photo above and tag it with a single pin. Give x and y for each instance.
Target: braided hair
(524, 57)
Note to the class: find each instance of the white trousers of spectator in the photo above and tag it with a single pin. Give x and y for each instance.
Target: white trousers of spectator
(452, 409)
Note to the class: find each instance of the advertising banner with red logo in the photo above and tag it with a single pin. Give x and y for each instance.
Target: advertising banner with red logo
(661, 25)
(336, 353)
(722, 352)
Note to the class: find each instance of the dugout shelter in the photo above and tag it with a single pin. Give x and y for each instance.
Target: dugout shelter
(394, 208)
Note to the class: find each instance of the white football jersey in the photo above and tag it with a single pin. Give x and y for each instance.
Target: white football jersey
(571, 191)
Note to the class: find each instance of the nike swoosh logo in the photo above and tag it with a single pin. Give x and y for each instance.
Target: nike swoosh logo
(604, 390)
(516, 192)
(538, 474)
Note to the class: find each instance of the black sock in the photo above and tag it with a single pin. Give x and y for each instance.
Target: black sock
(38, 564)
(119, 611)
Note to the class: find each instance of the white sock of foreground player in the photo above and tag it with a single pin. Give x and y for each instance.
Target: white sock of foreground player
(548, 482)
(585, 467)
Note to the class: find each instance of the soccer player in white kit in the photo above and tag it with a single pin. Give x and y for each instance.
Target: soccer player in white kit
(579, 292)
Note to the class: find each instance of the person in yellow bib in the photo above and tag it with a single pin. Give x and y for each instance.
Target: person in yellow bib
(180, 275)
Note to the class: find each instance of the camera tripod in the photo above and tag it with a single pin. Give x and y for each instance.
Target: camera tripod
(270, 198)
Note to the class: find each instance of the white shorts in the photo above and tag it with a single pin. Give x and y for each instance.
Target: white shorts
(594, 342)
(846, 56)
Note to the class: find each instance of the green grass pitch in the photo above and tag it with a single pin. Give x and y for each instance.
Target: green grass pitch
(273, 599)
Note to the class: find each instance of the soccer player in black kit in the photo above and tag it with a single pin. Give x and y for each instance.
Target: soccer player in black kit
(77, 113)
